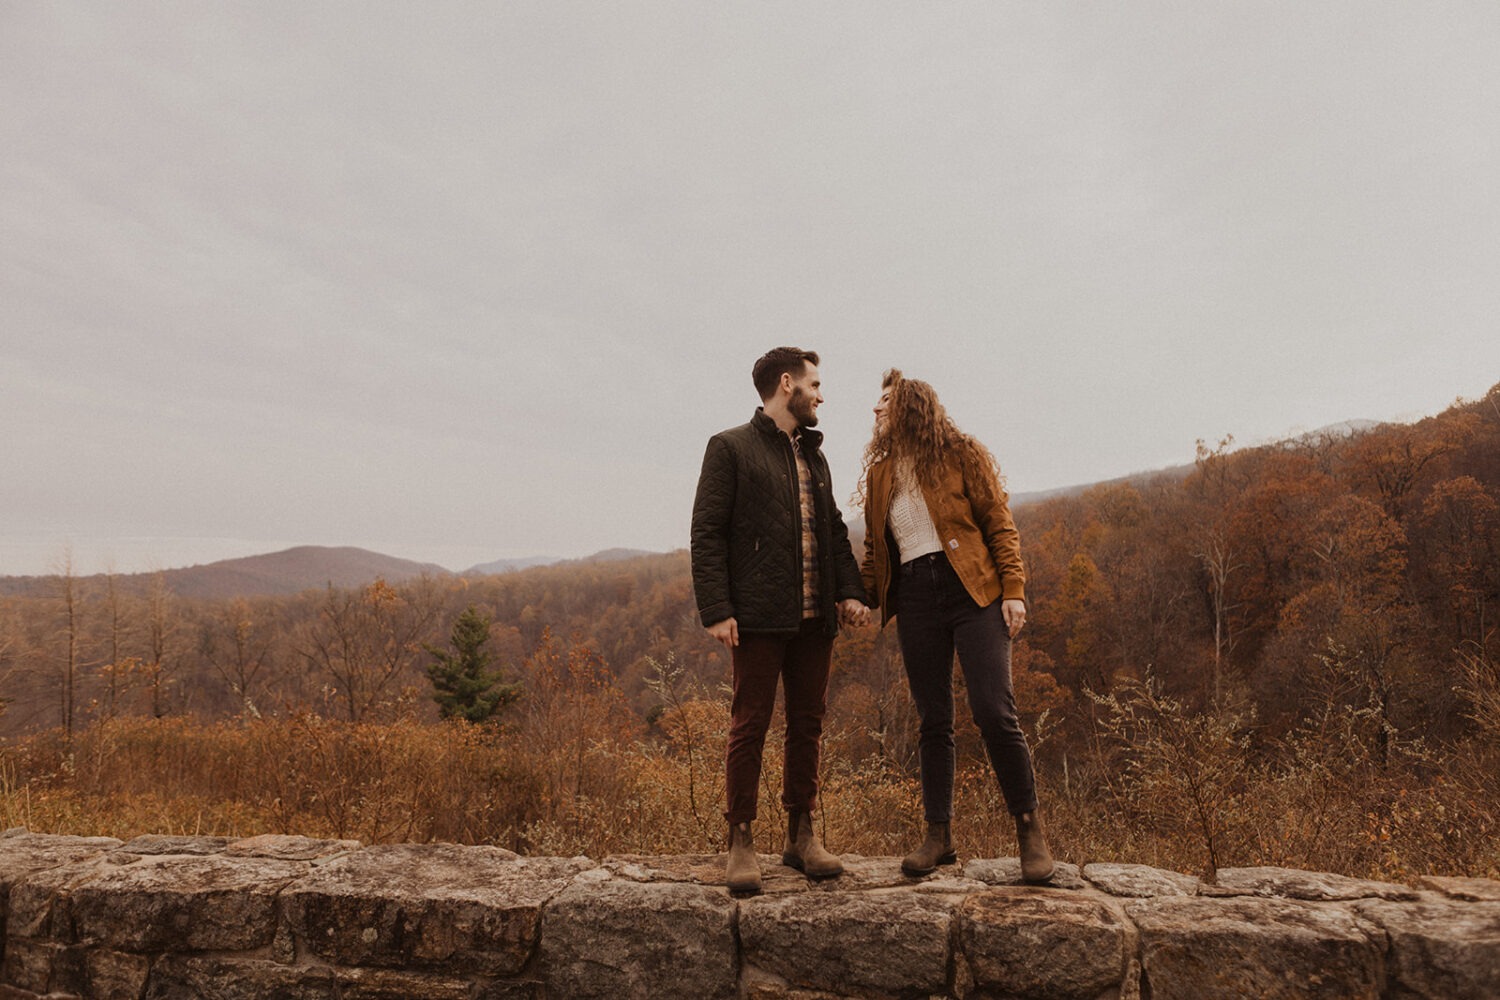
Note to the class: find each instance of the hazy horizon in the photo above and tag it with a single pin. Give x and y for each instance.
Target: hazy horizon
(154, 565)
(457, 283)
(150, 561)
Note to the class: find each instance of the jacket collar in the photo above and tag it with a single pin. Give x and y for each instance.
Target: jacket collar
(810, 438)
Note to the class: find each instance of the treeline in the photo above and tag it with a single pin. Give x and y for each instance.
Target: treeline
(93, 650)
(1359, 567)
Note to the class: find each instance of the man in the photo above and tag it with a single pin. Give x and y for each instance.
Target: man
(774, 577)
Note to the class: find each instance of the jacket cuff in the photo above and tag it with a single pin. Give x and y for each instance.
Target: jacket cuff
(715, 613)
(1013, 590)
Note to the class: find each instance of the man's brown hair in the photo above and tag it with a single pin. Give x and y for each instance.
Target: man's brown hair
(777, 362)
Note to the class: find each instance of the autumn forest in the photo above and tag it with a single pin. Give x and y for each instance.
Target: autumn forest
(1285, 654)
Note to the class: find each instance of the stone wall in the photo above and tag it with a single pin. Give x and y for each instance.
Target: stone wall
(284, 917)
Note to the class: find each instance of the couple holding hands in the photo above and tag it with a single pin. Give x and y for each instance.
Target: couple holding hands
(775, 576)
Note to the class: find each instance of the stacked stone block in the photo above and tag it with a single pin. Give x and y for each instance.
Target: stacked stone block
(172, 918)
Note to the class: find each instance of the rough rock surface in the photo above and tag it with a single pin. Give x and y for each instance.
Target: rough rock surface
(202, 918)
(1140, 881)
(1007, 871)
(878, 943)
(1472, 890)
(1044, 944)
(186, 903)
(607, 937)
(1440, 948)
(438, 906)
(1290, 883)
(1202, 948)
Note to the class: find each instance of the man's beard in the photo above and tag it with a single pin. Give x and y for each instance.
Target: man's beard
(801, 407)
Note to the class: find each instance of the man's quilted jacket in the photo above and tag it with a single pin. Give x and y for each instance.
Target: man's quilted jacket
(747, 531)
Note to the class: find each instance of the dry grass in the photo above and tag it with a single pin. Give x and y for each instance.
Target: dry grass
(618, 791)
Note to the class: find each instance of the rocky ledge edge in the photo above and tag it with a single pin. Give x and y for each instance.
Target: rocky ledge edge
(163, 917)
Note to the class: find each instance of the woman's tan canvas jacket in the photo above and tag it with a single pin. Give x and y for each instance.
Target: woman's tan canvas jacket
(979, 538)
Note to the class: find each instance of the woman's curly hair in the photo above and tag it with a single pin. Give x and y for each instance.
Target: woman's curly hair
(918, 433)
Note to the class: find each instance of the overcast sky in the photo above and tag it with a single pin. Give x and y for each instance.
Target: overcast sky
(458, 282)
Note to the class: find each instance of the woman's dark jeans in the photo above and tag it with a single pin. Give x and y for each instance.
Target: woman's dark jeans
(934, 616)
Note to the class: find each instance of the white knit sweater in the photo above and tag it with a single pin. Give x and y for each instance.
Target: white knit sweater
(910, 520)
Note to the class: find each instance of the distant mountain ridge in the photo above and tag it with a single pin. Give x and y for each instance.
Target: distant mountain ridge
(294, 570)
(1037, 496)
(304, 567)
(1346, 428)
(289, 571)
(508, 565)
(500, 566)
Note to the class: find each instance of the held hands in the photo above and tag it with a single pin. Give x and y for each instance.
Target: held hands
(1015, 615)
(853, 613)
(726, 631)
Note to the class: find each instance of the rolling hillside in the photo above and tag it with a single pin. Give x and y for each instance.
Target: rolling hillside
(275, 573)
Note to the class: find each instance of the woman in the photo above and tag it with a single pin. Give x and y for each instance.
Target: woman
(943, 557)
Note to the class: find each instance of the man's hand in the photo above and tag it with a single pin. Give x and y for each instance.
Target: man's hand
(726, 631)
(1015, 615)
(853, 613)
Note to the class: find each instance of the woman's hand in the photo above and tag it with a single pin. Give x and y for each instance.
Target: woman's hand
(1015, 615)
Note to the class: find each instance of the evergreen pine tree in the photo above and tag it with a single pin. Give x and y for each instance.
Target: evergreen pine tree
(462, 683)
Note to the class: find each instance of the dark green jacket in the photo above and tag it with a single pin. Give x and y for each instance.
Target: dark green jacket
(747, 532)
